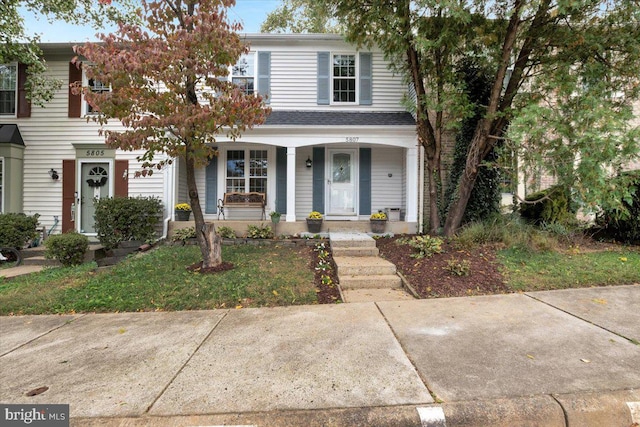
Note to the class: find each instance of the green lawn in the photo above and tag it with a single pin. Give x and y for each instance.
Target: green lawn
(158, 280)
(526, 271)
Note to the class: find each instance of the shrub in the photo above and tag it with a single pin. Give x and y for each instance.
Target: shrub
(16, 229)
(458, 268)
(68, 248)
(226, 232)
(425, 245)
(259, 232)
(624, 224)
(549, 206)
(184, 234)
(126, 218)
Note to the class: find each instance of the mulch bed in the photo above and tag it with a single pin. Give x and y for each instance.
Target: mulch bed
(432, 277)
(327, 293)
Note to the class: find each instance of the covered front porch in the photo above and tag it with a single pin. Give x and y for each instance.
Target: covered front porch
(345, 172)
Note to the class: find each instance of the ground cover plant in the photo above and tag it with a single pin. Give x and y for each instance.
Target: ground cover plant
(158, 280)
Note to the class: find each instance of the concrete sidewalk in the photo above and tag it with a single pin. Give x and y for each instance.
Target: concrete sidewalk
(553, 358)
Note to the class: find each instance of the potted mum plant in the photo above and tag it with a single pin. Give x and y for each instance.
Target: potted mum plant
(314, 222)
(275, 217)
(182, 211)
(378, 222)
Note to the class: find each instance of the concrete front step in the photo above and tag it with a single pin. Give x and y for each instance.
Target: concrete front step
(351, 240)
(363, 266)
(355, 252)
(387, 281)
(375, 295)
(41, 261)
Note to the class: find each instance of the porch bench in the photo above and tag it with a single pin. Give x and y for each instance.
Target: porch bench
(242, 200)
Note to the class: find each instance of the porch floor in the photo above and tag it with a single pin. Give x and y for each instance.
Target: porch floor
(298, 227)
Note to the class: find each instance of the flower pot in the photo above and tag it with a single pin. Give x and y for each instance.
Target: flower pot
(378, 225)
(182, 215)
(314, 225)
(275, 219)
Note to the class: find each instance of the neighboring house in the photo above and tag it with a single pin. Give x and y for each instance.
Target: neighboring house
(338, 141)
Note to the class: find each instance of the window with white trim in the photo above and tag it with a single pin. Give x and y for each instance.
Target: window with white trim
(343, 78)
(245, 176)
(96, 86)
(243, 74)
(8, 89)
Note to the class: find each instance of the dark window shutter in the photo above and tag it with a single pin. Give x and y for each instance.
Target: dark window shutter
(24, 106)
(365, 181)
(281, 180)
(75, 101)
(324, 78)
(211, 186)
(264, 76)
(121, 178)
(318, 179)
(68, 193)
(366, 71)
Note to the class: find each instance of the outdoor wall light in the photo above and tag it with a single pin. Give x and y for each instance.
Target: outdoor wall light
(54, 174)
(308, 162)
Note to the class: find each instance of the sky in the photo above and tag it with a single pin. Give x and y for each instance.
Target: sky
(251, 13)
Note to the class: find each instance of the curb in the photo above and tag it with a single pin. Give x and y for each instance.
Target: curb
(615, 408)
(612, 409)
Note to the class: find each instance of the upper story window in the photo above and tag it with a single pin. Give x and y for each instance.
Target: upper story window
(344, 78)
(8, 89)
(97, 87)
(243, 74)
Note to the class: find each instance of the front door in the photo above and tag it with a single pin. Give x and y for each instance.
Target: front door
(342, 183)
(94, 184)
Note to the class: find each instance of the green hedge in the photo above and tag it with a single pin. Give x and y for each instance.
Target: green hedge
(126, 218)
(555, 208)
(68, 248)
(16, 229)
(624, 224)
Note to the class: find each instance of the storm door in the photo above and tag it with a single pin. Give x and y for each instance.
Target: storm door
(94, 185)
(342, 178)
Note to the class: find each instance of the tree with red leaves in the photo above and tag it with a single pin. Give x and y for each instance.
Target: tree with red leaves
(167, 90)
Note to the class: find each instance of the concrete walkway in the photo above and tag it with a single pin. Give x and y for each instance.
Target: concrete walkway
(559, 358)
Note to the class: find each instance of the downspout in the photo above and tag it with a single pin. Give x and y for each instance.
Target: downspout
(420, 188)
(169, 197)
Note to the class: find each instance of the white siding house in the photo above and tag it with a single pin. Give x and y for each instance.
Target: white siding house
(338, 141)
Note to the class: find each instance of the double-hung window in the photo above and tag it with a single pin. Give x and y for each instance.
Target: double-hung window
(246, 171)
(344, 78)
(96, 87)
(243, 74)
(8, 89)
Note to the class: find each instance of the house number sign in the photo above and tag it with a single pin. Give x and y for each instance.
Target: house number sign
(94, 153)
(352, 139)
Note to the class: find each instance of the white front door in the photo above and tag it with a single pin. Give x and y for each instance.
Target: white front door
(342, 182)
(94, 184)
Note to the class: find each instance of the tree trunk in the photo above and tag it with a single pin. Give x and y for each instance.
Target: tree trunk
(209, 241)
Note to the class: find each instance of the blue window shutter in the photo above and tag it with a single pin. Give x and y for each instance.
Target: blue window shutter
(211, 186)
(318, 179)
(365, 181)
(324, 78)
(264, 76)
(281, 180)
(366, 72)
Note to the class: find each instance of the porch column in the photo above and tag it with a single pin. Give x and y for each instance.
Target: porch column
(411, 165)
(291, 184)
